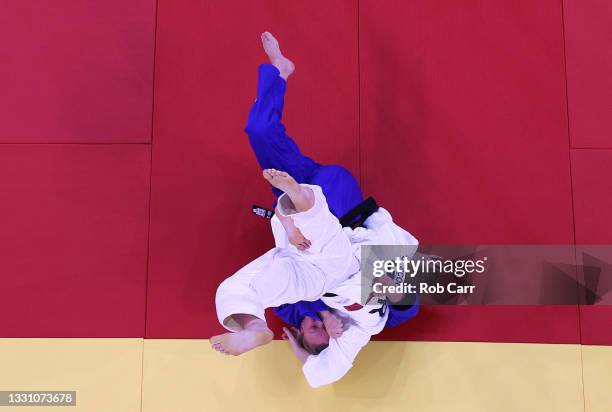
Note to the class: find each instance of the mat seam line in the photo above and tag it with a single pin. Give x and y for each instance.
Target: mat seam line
(569, 141)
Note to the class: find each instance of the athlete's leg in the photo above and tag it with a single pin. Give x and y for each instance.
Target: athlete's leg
(273, 148)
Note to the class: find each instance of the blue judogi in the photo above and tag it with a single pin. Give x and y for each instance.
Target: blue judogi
(274, 149)
(294, 313)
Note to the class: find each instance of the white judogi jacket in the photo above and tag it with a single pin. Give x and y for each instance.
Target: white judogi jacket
(331, 264)
(286, 275)
(359, 323)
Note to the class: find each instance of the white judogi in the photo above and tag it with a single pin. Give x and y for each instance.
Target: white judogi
(337, 359)
(286, 275)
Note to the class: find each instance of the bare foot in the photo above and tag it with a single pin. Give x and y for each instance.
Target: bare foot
(272, 49)
(302, 198)
(237, 343)
(281, 180)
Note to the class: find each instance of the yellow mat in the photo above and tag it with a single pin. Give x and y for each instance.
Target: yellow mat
(186, 375)
(388, 376)
(597, 362)
(105, 373)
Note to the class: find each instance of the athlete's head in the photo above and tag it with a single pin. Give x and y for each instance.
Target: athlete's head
(313, 337)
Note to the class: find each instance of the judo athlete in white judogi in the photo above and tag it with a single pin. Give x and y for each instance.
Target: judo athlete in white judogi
(360, 322)
(328, 269)
(317, 258)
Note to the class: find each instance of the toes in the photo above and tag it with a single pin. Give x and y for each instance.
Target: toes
(279, 173)
(219, 348)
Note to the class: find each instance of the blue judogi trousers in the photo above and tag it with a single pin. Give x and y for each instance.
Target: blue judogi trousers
(274, 149)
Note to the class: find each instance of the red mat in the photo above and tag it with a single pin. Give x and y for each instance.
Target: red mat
(74, 71)
(588, 34)
(464, 139)
(74, 239)
(454, 117)
(205, 177)
(592, 176)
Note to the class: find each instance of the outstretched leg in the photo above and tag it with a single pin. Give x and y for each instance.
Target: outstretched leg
(254, 333)
(273, 148)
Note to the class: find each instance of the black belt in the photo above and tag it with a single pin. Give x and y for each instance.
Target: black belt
(353, 218)
(357, 215)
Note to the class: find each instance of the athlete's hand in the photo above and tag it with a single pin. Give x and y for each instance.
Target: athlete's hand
(386, 282)
(333, 325)
(291, 334)
(299, 241)
(294, 235)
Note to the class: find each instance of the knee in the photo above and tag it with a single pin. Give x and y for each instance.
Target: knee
(257, 128)
(224, 290)
(262, 125)
(263, 135)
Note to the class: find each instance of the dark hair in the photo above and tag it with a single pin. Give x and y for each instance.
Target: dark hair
(312, 350)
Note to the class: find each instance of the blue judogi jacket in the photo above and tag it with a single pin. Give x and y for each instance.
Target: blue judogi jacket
(294, 313)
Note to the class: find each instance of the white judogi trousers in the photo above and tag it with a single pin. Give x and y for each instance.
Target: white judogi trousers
(286, 275)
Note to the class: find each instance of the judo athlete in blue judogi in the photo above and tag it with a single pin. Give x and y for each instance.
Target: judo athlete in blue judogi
(274, 149)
